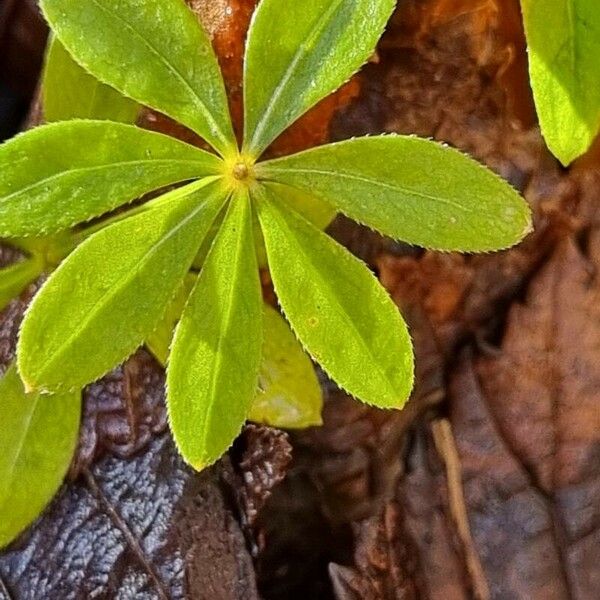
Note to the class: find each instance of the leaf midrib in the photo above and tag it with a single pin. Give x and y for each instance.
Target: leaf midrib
(133, 163)
(372, 182)
(225, 323)
(347, 320)
(210, 120)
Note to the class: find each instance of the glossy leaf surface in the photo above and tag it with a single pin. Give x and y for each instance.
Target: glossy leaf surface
(411, 189)
(289, 395)
(70, 92)
(109, 294)
(153, 51)
(298, 53)
(64, 173)
(337, 308)
(563, 39)
(38, 435)
(212, 373)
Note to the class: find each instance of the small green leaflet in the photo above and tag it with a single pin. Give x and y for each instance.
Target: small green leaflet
(289, 395)
(212, 375)
(410, 189)
(15, 278)
(363, 345)
(38, 436)
(298, 53)
(563, 40)
(65, 173)
(153, 51)
(109, 294)
(69, 92)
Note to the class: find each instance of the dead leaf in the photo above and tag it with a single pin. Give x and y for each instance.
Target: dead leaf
(147, 527)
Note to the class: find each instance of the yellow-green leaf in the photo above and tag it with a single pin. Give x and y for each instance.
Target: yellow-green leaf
(38, 436)
(563, 44)
(70, 92)
(153, 51)
(64, 173)
(337, 308)
(15, 278)
(289, 394)
(109, 294)
(411, 189)
(212, 373)
(300, 52)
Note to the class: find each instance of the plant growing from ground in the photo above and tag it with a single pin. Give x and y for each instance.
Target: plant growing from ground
(131, 273)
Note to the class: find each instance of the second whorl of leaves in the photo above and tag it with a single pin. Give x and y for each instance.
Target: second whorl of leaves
(109, 294)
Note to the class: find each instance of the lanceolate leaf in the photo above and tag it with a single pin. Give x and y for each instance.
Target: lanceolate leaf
(299, 52)
(289, 394)
(109, 294)
(563, 39)
(213, 368)
(69, 92)
(153, 51)
(38, 435)
(61, 174)
(15, 278)
(411, 189)
(337, 308)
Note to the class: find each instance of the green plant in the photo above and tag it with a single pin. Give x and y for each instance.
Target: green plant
(563, 39)
(129, 280)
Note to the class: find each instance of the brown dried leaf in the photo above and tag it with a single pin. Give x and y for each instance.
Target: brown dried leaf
(549, 421)
(122, 411)
(410, 549)
(352, 458)
(146, 528)
(264, 463)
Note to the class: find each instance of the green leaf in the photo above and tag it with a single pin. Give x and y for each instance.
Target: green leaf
(300, 52)
(337, 308)
(153, 51)
(109, 294)
(61, 174)
(212, 374)
(563, 39)
(15, 278)
(70, 92)
(289, 393)
(38, 436)
(410, 189)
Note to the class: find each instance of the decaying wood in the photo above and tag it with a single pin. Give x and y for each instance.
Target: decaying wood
(486, 486)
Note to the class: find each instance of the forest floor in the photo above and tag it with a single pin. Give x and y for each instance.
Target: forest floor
(486, 486)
